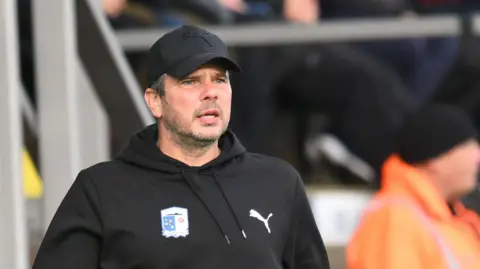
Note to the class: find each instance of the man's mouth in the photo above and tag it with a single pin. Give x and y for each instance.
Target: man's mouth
(209, 114)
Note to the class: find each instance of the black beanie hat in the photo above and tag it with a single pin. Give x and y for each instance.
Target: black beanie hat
(432, 131)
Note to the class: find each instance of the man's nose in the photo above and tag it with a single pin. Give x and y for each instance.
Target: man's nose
(209, 91)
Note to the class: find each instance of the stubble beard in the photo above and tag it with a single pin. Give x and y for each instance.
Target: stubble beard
(187, 139)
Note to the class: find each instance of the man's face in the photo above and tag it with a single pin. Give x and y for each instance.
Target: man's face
(197, 107)
(458, 169)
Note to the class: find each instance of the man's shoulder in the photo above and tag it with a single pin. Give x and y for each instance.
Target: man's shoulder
(103, 171)
(100, 167)
(272, 164)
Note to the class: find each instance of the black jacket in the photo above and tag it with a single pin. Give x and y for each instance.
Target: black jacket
(118, 214)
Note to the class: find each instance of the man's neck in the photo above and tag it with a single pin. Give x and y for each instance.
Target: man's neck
(192, 156)
(446, 193)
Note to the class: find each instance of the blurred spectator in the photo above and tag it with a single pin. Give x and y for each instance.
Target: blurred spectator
(205, 11)
(421, 62)
(362, 97)
(238, 6)
(113, 8)
(462, 85)
(124, 14)
(301, 11)
(446, 6)
(417, 219)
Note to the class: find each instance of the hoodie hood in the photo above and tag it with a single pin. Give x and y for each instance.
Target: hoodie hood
(142, 151)
(400, 177)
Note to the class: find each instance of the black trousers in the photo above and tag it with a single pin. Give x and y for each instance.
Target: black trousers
(365, 100)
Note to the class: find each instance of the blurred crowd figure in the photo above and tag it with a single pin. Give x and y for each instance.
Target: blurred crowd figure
(364, 89)
(417, 219)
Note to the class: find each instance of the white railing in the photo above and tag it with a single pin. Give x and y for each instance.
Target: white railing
(281, 33)
(13, 231)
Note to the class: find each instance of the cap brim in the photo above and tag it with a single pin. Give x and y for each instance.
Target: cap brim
(191, 64)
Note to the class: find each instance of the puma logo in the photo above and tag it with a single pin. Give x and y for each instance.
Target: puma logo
(255, 214)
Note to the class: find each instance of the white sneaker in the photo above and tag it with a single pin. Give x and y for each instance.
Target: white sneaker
(330, 147)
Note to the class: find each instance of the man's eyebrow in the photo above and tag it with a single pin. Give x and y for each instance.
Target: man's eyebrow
(190, 77)
(221, 74)
(216, 74)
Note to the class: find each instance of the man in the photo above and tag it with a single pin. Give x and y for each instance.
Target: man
(185, 193)
(416, 220)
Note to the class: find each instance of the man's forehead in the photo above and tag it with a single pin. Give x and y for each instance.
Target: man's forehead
(208, 69)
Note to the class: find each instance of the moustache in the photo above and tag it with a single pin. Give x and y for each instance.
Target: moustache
(206, 106)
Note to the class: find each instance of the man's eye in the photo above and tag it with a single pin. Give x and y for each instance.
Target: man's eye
(187, 82)
(221, 80)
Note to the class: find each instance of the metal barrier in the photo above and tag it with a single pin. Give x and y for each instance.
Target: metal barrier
(105, 64)
(13, 232)
(83, 76)
(58, 111)
(328, 31)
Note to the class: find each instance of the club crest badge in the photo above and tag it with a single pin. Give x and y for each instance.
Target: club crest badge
(174, 222)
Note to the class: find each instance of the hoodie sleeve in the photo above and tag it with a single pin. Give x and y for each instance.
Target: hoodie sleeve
(74, 236)
(305, 248)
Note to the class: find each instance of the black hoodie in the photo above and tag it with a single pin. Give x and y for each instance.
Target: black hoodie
(147, 210)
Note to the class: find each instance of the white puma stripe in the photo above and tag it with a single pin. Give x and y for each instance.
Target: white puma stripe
(255, 214)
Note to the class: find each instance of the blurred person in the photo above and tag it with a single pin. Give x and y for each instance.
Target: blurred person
(185, 193)
(461, 87)
(238, 6)
(417, 220)
(135, 14)
(206, 11)
(364, 99)
(447, 6)
(301, 11)
(422, 63)
(113, 8)
(219, 12)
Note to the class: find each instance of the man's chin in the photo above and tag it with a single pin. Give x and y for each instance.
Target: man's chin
(208, 135)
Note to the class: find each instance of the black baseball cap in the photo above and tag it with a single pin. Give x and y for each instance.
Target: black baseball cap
(183, 50)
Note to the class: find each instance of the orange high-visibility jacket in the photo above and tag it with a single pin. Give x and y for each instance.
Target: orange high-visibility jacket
(408, 225)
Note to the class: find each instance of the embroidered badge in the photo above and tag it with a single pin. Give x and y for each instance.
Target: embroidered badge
(174, 222)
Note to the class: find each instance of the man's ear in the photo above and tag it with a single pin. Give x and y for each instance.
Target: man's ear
(153, 101)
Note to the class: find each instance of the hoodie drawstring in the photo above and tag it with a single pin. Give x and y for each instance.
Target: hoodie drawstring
(229, 204)
(192, 187)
